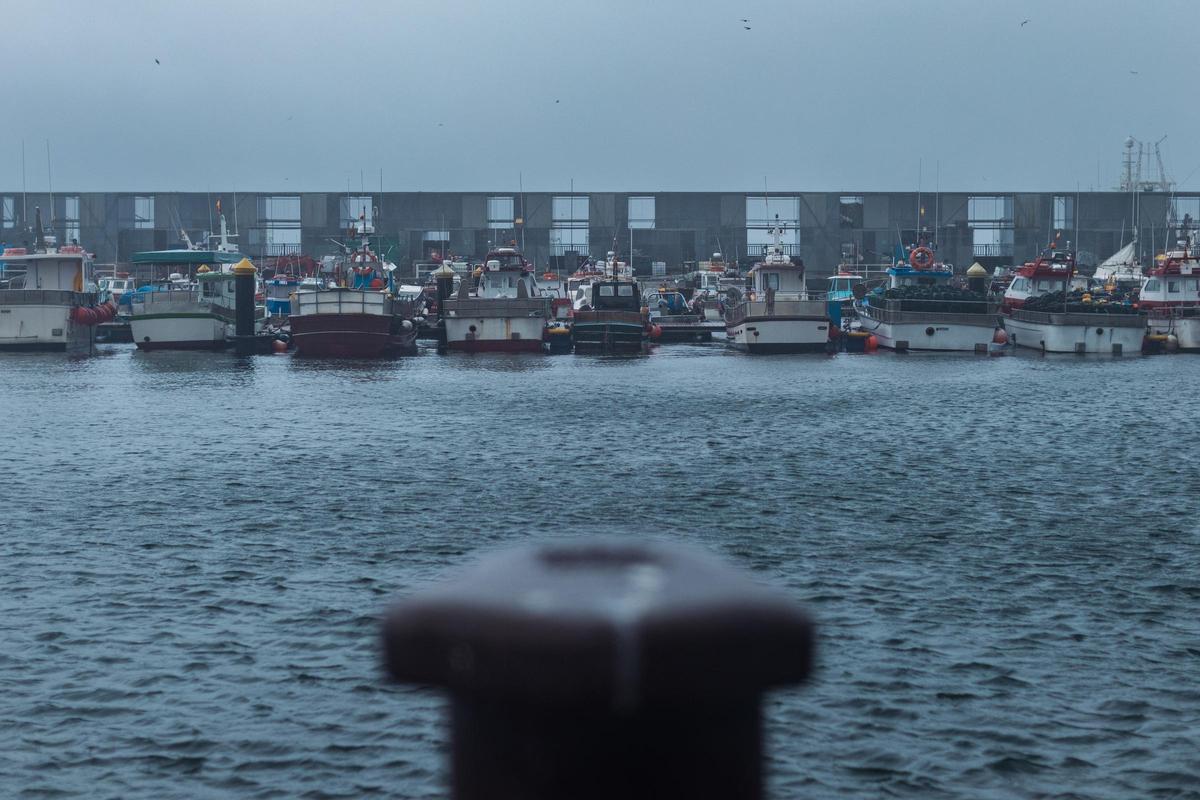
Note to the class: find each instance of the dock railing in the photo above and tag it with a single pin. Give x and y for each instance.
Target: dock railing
(340, 301)
(624, 317)
(493, 307)
(963, 312)
(602, 670)
(812, 307)
(45, 297)
(1072, 318)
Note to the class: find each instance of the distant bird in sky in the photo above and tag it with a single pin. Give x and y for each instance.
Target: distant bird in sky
(556, 101)
(747, 27)
(745, 20)
(156, 61)
(1133, 72)
(1024, 22)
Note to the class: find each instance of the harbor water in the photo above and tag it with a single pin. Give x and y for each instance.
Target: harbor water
(1001, 555)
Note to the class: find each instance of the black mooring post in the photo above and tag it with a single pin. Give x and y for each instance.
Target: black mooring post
(602, 669)
(243, 308)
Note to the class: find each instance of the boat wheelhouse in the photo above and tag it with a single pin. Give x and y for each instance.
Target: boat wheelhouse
(1170, 294)
(1041, 311)
(778, 315)
(919, 309)
(50, 303)
(508, 312)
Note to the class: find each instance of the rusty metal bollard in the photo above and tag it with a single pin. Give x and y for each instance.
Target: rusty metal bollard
(602, 669)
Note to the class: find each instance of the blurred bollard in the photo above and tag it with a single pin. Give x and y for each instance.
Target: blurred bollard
(602, 669)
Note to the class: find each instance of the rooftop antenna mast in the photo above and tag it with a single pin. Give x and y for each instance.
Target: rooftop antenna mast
(24, 198)
(50, 185)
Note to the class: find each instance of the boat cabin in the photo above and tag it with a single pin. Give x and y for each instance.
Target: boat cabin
(67, 269)
(1052, 271)
(1175, 278)
(781, 277)
(841, 286)
(615, 295)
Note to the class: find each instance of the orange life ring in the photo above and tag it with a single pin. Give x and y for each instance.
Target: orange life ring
(921, 258)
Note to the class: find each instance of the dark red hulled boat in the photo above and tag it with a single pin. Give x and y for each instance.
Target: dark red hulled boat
(350, 323)
(364, 320)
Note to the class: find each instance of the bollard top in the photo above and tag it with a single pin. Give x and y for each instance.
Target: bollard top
(617, 623)
(243, 267)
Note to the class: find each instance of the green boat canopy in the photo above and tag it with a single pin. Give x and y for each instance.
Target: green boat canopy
(196, 257)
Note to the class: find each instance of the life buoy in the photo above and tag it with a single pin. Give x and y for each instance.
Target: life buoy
(921, 258)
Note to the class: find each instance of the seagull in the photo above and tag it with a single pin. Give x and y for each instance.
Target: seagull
(1024, 22)
(747, 27)
(156, 61)
(745, 20)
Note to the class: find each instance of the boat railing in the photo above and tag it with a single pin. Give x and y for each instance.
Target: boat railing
(45, 297)
(630, 317)
(339, 301)
(1172, 312)
(813, 307)
(894, 312)
(1134, 320)
(493, 307)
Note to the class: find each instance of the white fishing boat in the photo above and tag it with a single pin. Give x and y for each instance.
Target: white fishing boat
(507, 313)
(51, 303)
(1041, 311)
(1170, 294)
(778, 315)
(919, 309)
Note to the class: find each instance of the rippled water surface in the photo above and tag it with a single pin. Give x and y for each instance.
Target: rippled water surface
(1001, 553)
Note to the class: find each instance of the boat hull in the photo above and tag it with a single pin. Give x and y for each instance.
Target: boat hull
(349, 336)
(1185, 329)
(931, 335)
(43, 328)
(496, 334)
(190, 331)
(1098, 336)
(608, 337)
(773, 335)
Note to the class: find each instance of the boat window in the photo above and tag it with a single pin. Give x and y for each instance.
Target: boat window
(1173, 287)
(770, 280)
(625, 291)
(1189, 285)
(606, 291)
(1151, 285)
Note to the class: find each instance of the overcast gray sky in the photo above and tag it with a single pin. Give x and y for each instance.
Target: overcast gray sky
(617, 95)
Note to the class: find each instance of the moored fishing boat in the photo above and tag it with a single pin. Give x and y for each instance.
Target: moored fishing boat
(50, 303)
(919, 309)
(1041, 311)
(366, 319)
(1170, 294)
(778, 315)
(507, 313)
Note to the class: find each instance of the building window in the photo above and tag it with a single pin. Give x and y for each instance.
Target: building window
(70, 219)
(10, 211)
(850, 211)
(1185, 206)
(641, 212)
(569, 225)
(765, 213)
(1064, 212)
(990, 219)
(356, 210)
(143, 212)
(278, 233)
(500, 213)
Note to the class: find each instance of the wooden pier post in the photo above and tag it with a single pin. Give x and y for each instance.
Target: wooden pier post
(602, 669)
